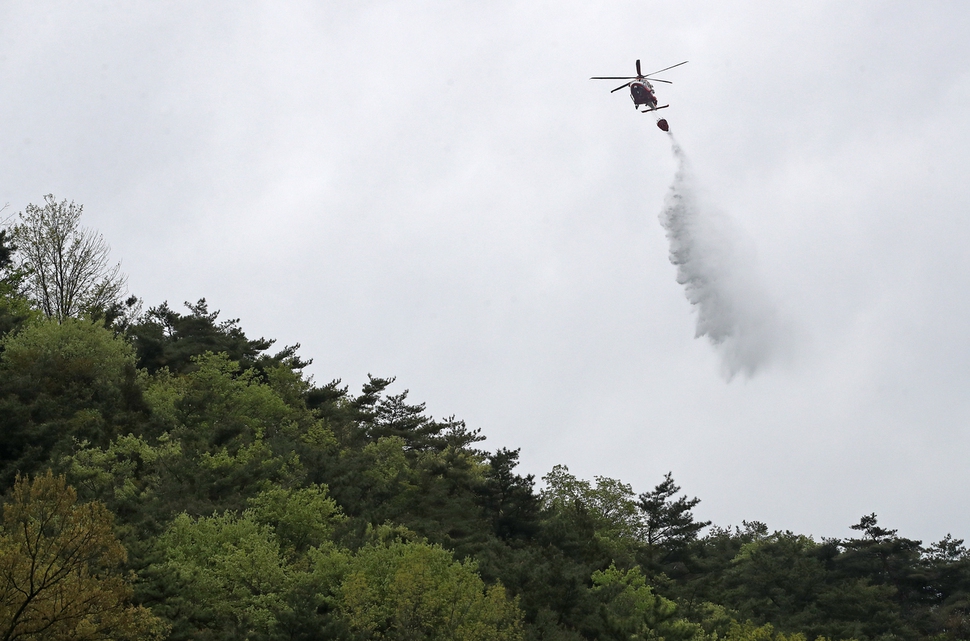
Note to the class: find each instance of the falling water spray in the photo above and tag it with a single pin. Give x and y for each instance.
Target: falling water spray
(719, 279)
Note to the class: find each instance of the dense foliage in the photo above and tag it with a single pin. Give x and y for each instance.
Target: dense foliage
(168, 477)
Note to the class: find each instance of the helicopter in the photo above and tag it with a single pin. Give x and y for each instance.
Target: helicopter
(642, 91)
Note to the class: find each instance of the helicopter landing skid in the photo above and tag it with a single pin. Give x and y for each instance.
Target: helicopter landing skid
(646, 111)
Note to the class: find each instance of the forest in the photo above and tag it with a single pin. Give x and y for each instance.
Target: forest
(166, 476)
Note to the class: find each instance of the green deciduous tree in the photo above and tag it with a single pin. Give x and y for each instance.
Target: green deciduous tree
(608, 506)
(630, 610)
(60, 382)
(236, 433)
(408, 590)
(778, 578)
(301, 518)
(227, 577)
(60, 572)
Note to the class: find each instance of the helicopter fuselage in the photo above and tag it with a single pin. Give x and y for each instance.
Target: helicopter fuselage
(642, 93)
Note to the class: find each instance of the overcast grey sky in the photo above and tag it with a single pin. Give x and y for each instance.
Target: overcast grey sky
(436, 191)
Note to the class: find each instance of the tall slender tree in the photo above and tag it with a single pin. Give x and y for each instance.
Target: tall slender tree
(67, 268)
(668, 523)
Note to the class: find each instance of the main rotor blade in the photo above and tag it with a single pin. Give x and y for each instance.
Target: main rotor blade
(670, 67)
(638, 68)
(613, 78)
(659, 80)
(621, 86)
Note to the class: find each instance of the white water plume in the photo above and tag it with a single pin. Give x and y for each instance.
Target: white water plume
(719, 279)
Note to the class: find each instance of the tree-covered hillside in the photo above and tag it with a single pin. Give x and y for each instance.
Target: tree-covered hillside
(168, 477)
